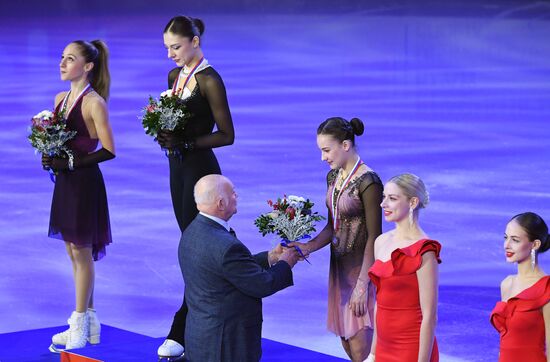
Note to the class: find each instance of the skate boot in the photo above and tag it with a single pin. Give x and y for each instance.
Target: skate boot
(171, 351)
(95, 327)
(60, 339)
(79, 330)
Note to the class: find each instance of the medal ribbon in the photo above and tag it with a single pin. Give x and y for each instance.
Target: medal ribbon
(64, 103)
(334, 204)
(187, 79)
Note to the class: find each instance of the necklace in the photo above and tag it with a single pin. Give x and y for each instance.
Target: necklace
(336, 196)
(64, 104)
(176, 86)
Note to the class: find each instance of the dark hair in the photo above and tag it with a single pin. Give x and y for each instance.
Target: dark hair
(185, 26)
(535, 227)
(341, 129)
(97, 52)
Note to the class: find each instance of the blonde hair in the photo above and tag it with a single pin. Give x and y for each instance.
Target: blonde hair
(412, 186)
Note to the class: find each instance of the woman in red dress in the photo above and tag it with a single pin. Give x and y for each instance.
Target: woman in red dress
(523, 316)
(405, 273)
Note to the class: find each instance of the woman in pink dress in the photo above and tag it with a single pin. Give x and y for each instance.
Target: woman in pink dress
(405, 273)
(354, 193)
(523, 316)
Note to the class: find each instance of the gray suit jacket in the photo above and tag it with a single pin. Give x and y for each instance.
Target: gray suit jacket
(224, 287)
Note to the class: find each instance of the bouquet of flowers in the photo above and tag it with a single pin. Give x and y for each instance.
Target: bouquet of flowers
(167, 113)
(291, 218)
(49, 135)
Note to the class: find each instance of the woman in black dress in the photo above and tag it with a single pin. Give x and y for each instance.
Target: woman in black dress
(79, 213)
(203, 91)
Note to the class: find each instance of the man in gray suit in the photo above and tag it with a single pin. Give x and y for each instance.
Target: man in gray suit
(224, 282)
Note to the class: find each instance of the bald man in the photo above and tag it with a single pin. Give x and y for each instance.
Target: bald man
(224, 282)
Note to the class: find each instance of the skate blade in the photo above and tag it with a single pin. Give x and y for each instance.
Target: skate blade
(172, 359)
(54, 349)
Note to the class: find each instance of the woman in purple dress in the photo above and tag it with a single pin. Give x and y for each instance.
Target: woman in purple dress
(79, 213)
(354, 194)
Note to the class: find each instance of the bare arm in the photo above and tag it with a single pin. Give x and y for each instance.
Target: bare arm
(373, 345)
(505, 286)
(546, 315)
(374, 335)
(97, 110)
(325, 236)
(428, 289)
(320, 241)
(58, 98)
(100, 117)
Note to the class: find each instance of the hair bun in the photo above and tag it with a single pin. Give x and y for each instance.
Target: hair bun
(357, 126)
(412, 186)
(426, 200)
(199, 24)
(545, 244)
(535, 227)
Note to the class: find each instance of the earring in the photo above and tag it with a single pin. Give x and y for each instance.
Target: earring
(533, 259)
(411, 216)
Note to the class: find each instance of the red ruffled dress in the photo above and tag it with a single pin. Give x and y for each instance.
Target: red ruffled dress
(521, 324)
(398, 313)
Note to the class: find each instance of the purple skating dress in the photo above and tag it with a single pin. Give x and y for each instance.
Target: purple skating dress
(79, 212)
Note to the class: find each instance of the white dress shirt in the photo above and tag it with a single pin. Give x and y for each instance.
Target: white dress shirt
(222, 222)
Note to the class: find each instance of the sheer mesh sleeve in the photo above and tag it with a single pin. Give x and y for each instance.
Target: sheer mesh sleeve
(371, 190)
(212, 87)
(172, 76)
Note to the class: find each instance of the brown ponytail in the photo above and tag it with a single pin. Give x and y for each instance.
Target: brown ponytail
(101, 78)
(97, 52)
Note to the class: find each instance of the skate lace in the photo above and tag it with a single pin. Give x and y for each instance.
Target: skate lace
(76, 322)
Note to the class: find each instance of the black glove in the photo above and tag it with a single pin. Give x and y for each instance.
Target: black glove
(173, 140)
(62, 164)
(93, 158)
(54, 163)
(169, 139)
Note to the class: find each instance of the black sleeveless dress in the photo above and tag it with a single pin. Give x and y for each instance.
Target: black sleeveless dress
(79, 212)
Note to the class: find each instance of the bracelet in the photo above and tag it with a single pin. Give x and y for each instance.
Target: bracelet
(358, 292)
(71, 162)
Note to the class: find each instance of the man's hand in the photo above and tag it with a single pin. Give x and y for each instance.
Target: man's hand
(274, 254)
(290, 255)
